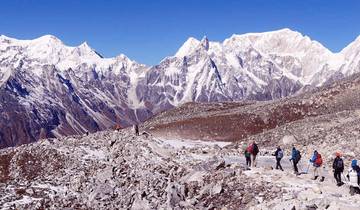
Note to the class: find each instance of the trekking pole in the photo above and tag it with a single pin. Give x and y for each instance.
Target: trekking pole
(307, 170)
(345, 178)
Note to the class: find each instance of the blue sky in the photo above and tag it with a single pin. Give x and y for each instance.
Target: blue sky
(149, 30)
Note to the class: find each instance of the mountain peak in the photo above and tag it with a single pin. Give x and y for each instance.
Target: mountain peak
(85, 47)
(48, 39)
(205, 42)
(351, 48)
(190, 44)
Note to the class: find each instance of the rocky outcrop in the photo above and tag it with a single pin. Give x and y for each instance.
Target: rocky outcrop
(110, 170)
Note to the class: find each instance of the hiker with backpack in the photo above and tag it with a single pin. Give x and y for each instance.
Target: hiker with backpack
(247, 158)
(295, 158)
(279, 154)
(253, 149)
(317, 162)
(354, 178)
(338, 168)
(136, 129)
(356, 169)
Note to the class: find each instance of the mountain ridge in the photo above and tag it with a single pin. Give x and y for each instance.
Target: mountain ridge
(61, 90)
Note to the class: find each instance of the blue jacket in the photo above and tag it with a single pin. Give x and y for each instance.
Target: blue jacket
(293, 154)
(355, 167)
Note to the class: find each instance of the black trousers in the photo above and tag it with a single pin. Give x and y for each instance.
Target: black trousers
(337, 176)
(248, 161)
(295, 166)
(278, 164)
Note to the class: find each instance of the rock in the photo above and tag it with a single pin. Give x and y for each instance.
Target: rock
(247, 198)
(316, 190)
(312, 207)
(220, 165)
(174, 195)
(140, 204)
(216, 189)
(29, 191)
(288, 140)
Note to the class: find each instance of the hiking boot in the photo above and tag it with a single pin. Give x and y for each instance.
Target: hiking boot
(339, 184)
(315, 178)
(322, 179)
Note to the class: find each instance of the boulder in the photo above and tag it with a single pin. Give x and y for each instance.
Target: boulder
(288, 140)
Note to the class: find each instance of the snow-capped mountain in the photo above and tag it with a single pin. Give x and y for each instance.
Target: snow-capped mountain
(50, 89)
(260, 66)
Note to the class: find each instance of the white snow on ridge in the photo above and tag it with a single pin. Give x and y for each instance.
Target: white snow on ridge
(188, 47)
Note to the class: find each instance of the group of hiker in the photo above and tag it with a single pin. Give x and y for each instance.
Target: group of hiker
(316, 160)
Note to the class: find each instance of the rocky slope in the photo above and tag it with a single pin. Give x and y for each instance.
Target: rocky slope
(321, 118)
(48, 89)
(117, 170)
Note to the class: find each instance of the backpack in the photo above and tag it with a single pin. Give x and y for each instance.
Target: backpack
(318, 160)
(297, 156)
(250, 148)
(280, 154)
(339, 164)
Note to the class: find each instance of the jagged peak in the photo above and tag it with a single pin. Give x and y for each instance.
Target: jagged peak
(205, 42)
(354, 45)
(190, 44)
(84, 45)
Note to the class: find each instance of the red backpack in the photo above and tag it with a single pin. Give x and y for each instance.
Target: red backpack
(318, 160)
(250, 148)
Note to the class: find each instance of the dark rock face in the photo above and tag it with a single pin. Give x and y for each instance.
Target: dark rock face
(58, 104)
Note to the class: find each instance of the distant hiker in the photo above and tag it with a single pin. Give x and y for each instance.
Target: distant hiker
(354, 177)
(279, 154)
(246, 154)
(338, 167)
(253, 149)
(136, 129)
(247, 157)
(355, 168)
(117, 127)
(295, 158)
(317, 162)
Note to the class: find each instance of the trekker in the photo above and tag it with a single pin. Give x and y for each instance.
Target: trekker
(354, 178)
(253, 149)
(136, 129)
(247, 157)
(117, 127)
(279, 154)
(338, 167)
(295, 158)
(317, 162)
